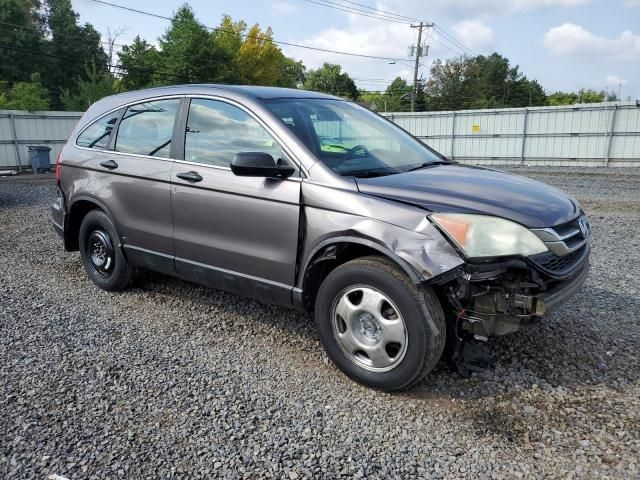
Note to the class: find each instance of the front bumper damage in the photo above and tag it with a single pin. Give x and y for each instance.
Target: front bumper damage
(498, 298)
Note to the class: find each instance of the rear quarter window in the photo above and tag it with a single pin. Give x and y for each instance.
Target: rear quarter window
(98, 133)
(147, 128)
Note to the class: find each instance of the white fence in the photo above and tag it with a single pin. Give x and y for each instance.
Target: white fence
(606, 134)
(20, 129)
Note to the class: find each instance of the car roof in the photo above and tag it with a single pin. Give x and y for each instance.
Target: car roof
(249, 91)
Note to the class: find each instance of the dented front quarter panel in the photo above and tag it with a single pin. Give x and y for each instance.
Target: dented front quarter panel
(401, 231)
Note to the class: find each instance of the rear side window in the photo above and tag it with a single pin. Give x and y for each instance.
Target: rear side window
(97, 134)
(146, 128)
(216, 131)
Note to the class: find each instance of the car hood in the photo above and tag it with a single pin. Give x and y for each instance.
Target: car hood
(467, 189)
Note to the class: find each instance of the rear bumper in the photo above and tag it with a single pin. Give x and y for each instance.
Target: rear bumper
(58, 215)
(563, 291)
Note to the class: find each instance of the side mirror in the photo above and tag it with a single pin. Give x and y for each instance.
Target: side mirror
(259, 164)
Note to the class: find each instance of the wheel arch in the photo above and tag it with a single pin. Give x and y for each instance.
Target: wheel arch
(333, 252)
(80, 207)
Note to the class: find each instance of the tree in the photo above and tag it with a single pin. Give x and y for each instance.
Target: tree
(480, 82)
(21, 40)
(293, 73)
(259, 60)
(91, 87)
(448, 87)
(398, 96)
(188, 54)
(581, 96)
(330, 79)
(138, 62)
(30, 96)
(256, 59)
(71, 47)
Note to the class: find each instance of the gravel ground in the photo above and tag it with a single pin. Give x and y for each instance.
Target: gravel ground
(172, 380)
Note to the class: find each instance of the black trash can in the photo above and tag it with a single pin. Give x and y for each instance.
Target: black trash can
(40, 160)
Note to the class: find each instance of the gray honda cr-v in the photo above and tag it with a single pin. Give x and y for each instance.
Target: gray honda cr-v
(310, 201)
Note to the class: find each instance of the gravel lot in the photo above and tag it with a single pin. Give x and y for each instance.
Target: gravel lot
(173, 380)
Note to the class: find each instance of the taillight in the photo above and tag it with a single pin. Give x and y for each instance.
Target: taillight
(58, 167)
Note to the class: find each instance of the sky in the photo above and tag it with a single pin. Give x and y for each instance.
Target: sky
(564, 44)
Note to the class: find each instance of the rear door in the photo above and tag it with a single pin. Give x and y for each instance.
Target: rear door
(139, 190)
(231, 232)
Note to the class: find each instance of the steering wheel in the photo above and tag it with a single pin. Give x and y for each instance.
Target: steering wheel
(352, 152)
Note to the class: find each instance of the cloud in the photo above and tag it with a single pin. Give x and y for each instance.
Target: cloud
(362, 36)
(283, 7)
(572, 39)
(473, 33)
(372, 37)
(476, 7)
(614, 80)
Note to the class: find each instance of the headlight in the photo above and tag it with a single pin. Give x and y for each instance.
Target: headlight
(485, 236)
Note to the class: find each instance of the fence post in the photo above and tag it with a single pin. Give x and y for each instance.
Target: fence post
(524, 135)
(610, 134)
(453, 132)
(12, 121)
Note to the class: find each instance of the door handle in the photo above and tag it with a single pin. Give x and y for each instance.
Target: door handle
(190, 176)
(110, 164)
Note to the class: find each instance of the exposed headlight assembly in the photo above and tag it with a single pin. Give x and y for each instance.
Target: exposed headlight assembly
(485, 236)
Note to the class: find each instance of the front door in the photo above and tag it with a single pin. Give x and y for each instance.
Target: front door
(235, 233)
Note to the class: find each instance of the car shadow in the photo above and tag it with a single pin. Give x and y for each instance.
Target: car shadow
(235, 306)
(580, 344)
(575, 345)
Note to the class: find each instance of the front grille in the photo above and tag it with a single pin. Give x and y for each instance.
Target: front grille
(565, 239)
(558, 265)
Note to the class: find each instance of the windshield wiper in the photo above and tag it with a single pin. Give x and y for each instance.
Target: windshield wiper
(429, 164)
(368, 173)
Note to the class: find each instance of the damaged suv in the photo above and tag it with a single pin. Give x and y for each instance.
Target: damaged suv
(306, 200)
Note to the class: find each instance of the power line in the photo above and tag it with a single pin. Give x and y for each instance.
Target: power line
(412, 19)
(357, 11)
(453, 40)
(117, 66)
(459, 51)
(278, 42)
(395, 18)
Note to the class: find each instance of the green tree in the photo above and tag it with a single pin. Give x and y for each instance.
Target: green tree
(581, 96)
(188, 54)
(71, 47)
(480, 82)
(293, 73)
(562, 98)
(372, 100)
(330, 79)
(21, 40)
(139, 62)
(448, 86)
(30, 96)
(398, 96)
(93, 85)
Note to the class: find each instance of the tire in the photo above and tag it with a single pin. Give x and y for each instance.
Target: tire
(101, 256)
(383, 363)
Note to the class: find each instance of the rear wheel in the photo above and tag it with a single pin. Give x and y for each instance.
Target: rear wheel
(102, 259)
(377, 326)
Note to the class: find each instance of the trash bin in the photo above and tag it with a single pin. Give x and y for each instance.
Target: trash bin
(40, 160)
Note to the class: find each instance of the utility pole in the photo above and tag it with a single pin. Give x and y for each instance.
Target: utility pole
(419, 53)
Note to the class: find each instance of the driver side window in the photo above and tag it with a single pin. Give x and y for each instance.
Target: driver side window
(217, 131)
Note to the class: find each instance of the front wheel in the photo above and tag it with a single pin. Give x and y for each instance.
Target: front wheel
(103, 261)
(377, 326)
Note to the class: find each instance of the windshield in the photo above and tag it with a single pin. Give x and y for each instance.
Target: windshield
(352, 140)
